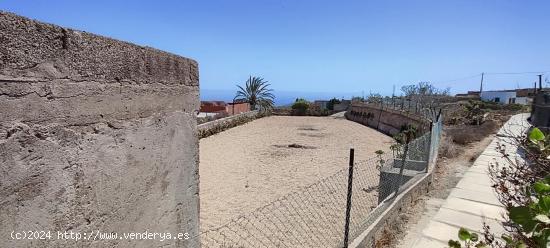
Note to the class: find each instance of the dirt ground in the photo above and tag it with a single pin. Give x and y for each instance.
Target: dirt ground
(252, 165)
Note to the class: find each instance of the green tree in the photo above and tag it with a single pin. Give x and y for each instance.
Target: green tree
(331, 102)
(357, 99)
(300, 106)
(257, 93)
(374, 98)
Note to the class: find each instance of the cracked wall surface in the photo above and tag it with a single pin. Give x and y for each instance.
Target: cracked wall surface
(95, 134)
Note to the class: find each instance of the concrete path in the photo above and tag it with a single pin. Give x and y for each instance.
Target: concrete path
(339, 114)
(472, 201)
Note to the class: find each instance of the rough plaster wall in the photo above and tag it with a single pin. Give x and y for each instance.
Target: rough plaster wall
(95, 134)
(386, 121)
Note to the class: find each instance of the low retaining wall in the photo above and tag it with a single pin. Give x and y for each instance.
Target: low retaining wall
(391, 209)
(417, 184)
(219, 125)
(388, 121)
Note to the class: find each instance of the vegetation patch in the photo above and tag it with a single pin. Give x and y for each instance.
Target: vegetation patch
(466, 134)
(294, 145)
(308, 129)
(314, 135)
(222, 125)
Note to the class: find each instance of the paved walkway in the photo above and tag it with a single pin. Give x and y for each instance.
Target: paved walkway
(339, 114)
(472, 200)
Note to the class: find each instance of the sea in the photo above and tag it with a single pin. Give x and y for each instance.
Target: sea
(282, 98)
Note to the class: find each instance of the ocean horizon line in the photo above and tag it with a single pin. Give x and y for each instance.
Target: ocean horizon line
(282, 97)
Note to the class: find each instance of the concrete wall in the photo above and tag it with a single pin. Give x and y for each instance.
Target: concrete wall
(388, 121)
(95, 134)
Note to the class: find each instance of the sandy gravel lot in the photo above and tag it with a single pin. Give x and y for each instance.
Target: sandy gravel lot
(249, 166)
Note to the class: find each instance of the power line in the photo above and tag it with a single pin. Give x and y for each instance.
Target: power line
(516, 73)
(492, 73)
(453, 80)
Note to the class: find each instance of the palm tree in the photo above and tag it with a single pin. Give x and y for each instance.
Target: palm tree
(257, 93)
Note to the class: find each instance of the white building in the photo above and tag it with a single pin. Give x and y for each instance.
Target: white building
(500, 96)
(506, 96)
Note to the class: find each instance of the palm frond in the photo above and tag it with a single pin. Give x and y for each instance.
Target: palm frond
(257, 92)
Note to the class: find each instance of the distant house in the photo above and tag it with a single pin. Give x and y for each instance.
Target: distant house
(529, 93)
(470, 94)
(213, 108)
(518, 96)
(234, 108)
(342, 106)
(499, 96)
(321, 104)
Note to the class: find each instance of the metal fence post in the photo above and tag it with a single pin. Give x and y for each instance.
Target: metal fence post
(348, 204)
(402, 167)
(430, 146)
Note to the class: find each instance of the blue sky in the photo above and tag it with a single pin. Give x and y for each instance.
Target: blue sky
(326, 46)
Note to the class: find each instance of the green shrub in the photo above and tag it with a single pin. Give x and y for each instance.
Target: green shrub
(407, 133)
(300, 107)
(531, 218)
(331, 102)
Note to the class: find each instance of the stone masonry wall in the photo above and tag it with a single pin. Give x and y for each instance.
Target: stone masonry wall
(95, 135)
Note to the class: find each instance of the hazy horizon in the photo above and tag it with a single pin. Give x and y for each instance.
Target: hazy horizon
(281, 97)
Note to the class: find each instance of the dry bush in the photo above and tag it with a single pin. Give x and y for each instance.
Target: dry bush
(466, 134)
(386, 240)
(282, 111)
(448, 148)
(221, 115)
(201, 120)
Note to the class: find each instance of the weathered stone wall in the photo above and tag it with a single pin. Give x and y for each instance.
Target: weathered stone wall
(95, 134)
(388, 121)
(219, 125)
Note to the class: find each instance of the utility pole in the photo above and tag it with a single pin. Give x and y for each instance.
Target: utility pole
(393, 96)
(481, 85)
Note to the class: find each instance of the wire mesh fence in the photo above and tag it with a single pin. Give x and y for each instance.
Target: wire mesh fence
(315, 216)
(426, 107)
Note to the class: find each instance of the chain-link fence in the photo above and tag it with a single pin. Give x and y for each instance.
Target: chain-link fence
(427, 107)
(315, 216)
